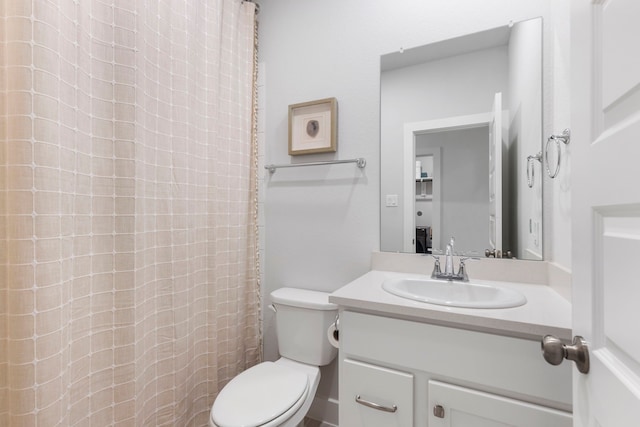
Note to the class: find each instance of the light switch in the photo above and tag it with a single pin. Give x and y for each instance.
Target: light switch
(392, 200)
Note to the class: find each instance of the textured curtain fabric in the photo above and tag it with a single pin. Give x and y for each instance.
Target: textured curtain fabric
(128, 286)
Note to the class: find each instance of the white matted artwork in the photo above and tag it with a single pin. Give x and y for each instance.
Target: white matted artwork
(313, 127)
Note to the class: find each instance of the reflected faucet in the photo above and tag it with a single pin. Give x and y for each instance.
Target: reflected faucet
(448, 273)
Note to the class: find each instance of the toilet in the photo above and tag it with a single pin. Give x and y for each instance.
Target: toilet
(280, 393)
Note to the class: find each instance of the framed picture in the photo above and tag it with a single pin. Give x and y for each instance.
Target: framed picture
(313, 127)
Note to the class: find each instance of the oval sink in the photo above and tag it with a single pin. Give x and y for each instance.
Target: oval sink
(454, 294)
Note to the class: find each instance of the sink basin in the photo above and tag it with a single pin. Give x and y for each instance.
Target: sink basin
(454, 294)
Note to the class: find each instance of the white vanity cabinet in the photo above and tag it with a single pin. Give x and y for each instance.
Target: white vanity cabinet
(406, 373)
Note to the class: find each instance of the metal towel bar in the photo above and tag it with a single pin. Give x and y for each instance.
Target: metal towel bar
(565, 137)
(360, 162)
(530, 167)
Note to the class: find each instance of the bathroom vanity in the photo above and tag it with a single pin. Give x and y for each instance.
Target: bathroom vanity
(408, 363)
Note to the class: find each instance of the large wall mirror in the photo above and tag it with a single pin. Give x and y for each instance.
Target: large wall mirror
(461, 129)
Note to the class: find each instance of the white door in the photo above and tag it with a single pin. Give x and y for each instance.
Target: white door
(495, 175)
(605, 158)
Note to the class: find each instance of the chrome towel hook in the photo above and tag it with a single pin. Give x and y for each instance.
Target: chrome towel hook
(530, 169)
(565, 137)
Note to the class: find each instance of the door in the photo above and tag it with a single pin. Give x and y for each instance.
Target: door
(605, 153)
(495, 175)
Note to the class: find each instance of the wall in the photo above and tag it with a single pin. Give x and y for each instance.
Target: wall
(454, 86)
(322, 223)
(557, 192)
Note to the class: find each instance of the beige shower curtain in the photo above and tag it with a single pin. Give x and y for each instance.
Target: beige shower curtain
(128, 282)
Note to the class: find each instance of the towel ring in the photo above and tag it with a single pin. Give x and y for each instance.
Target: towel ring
(565, 137)
(530, 169)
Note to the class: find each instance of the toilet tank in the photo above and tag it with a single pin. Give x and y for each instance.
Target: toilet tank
(302, 320)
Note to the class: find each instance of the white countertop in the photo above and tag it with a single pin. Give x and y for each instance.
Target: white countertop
(545, 312)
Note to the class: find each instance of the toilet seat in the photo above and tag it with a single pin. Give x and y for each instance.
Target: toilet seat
(264, 395)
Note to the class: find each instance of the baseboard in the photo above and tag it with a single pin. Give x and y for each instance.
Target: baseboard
(325, 410)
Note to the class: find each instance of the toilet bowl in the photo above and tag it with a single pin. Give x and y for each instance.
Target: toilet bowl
(280, 393)
(269, 394)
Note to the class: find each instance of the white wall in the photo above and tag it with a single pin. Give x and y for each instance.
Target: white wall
(322, 223)
(557, 192)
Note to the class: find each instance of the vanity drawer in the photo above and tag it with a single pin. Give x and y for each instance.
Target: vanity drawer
(374, 396)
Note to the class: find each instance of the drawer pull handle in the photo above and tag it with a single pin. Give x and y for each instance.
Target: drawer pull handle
(373, 405)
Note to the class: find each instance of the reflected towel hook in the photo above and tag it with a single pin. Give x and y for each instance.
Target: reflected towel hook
(530, 169)
(565, 137)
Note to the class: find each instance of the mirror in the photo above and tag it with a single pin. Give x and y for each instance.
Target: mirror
(458, 121)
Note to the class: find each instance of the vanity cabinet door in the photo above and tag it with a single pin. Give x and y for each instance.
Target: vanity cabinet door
(453, 406)
(373, 396)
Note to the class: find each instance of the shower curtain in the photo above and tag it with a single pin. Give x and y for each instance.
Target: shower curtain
(129, 290)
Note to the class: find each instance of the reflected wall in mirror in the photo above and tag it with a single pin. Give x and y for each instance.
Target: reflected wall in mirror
(458, 120)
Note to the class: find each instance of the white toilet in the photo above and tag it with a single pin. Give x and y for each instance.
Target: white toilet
(280, 393)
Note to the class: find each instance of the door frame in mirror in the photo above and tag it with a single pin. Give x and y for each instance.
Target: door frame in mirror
(411, 131)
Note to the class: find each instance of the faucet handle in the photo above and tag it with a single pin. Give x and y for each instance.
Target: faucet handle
(462, 271)
(436, 266)
(462, 268)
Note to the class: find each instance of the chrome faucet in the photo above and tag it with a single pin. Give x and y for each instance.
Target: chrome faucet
(448, 273)
(448, 258)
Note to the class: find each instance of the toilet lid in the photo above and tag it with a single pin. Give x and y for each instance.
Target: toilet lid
(258, 395)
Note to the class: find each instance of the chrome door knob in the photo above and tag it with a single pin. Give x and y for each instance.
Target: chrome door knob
(554, 352)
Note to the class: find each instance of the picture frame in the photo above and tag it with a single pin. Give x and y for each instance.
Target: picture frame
(313, 127)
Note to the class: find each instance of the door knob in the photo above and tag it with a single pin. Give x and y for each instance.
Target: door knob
(554, 352)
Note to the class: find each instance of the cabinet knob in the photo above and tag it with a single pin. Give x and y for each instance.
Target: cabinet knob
(554, 352)
(438, 411)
